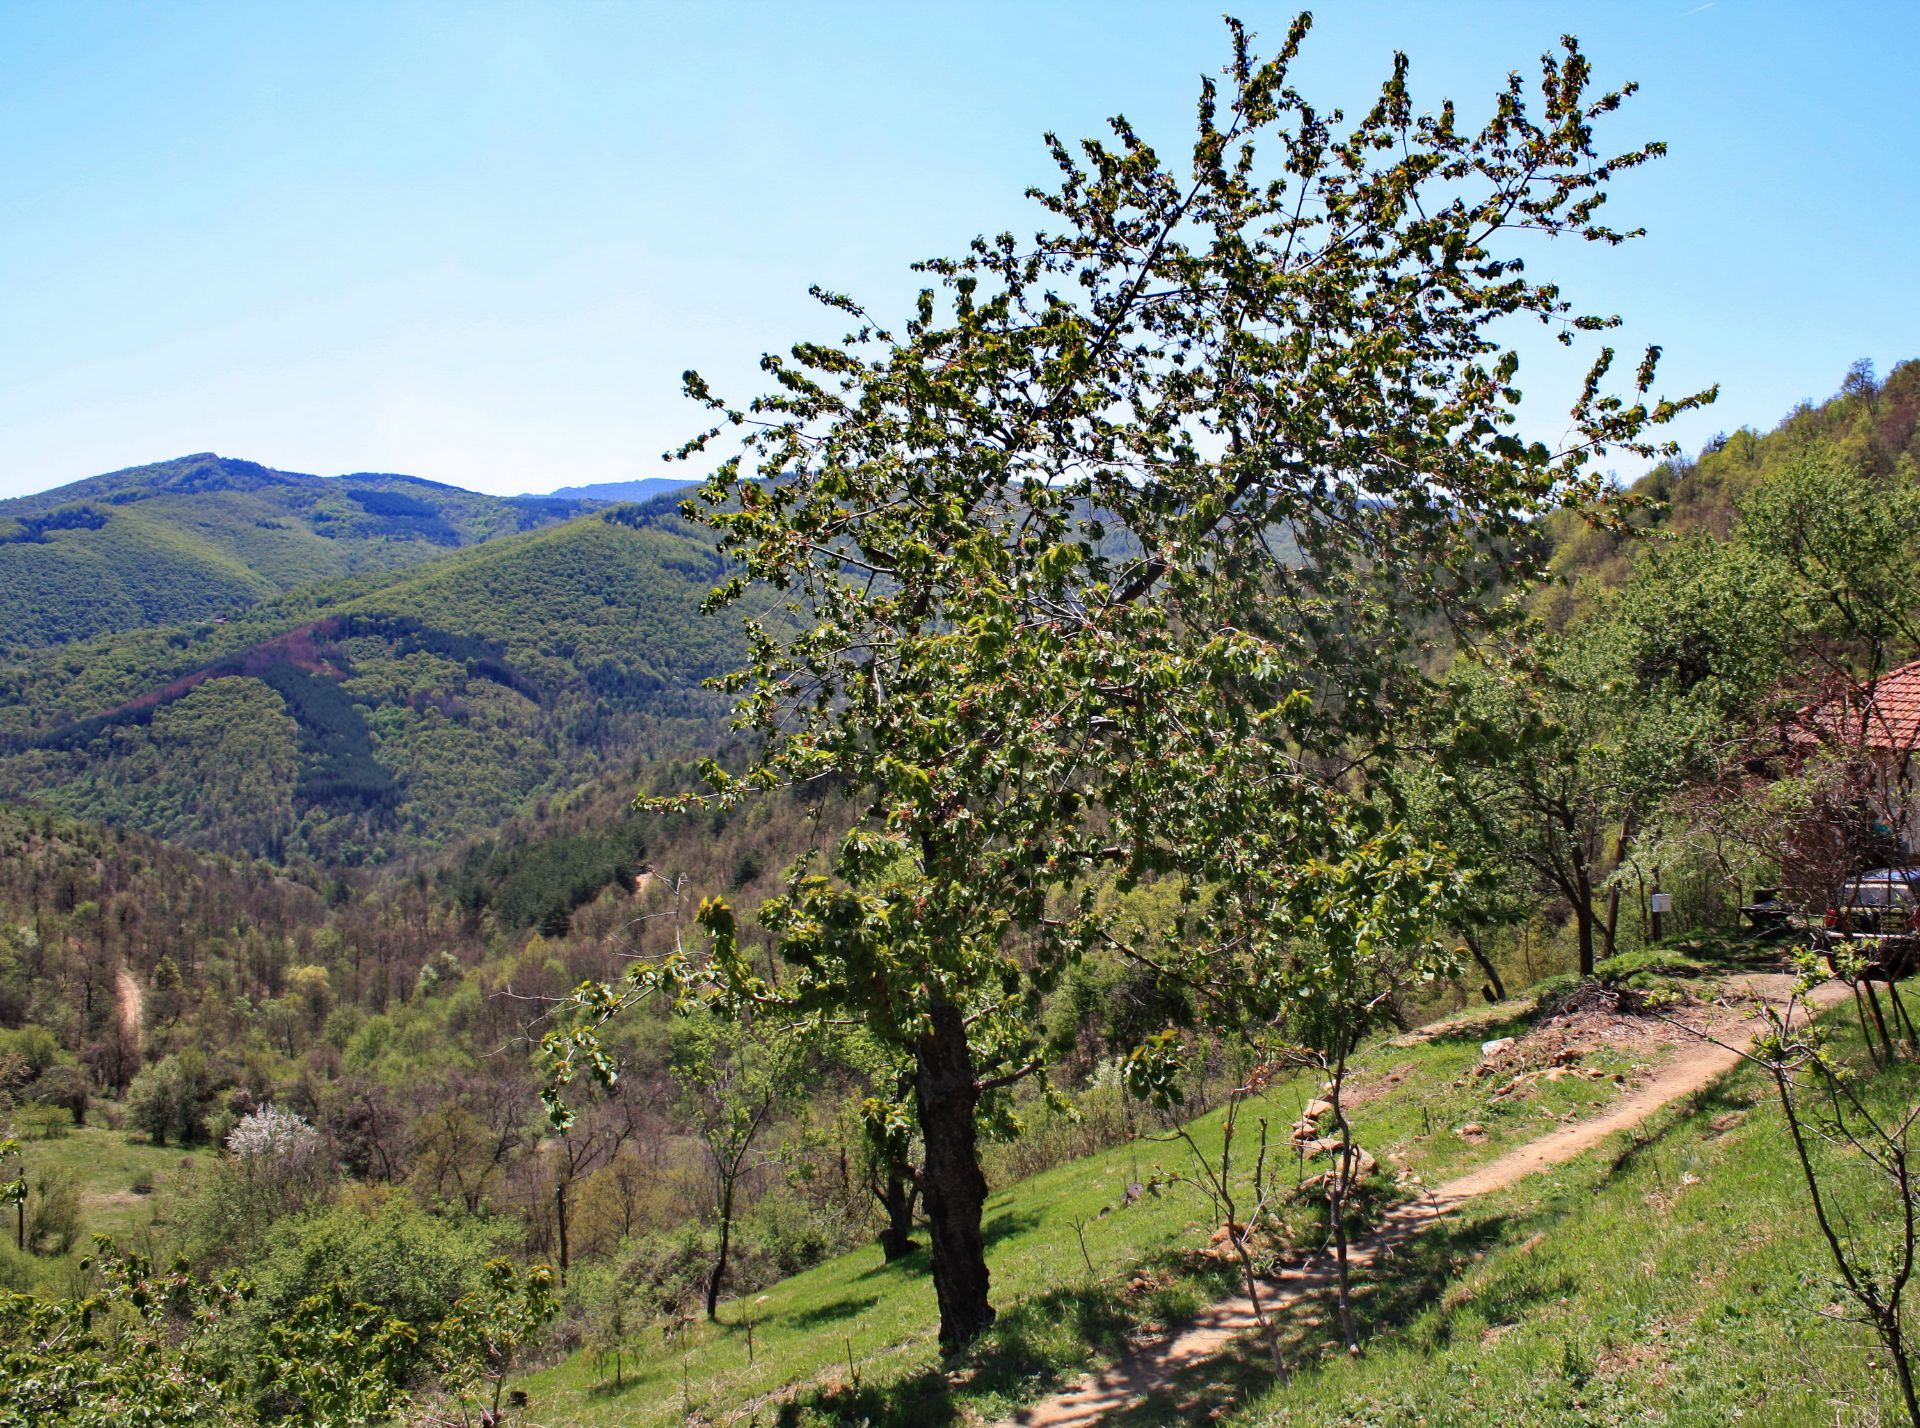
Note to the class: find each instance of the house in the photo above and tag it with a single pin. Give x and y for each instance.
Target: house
(1874, 725)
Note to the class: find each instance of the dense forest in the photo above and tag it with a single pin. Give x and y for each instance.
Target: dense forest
(204, 537)
(350, 722)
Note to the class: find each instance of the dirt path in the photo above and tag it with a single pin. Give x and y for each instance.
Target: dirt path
(1153, 1365)
(133, 1011)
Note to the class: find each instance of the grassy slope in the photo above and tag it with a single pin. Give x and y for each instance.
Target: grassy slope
(105, 1163)
(1677, 1279)
(1670, 1277)
(1057, 1319)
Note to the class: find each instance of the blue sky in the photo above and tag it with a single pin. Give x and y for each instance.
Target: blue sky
(479, 242)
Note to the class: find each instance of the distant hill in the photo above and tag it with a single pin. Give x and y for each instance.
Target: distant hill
(1872, 426)
(206, 536)
(645, 489)
(368, 716)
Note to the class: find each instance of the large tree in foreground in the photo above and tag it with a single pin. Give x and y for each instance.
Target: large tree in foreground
(1149, 499)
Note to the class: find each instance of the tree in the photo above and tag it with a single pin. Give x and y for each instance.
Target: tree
(1560, 751)
(1846, 547)
(481, 1342)
(1188, 471)
(589, 1143)
(733, 1078)
(170, 1099)
(1854, 1142)
(1304, 959)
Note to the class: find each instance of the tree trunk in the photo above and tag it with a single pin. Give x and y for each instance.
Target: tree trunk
(1873, 1004)
(1897, 1351)
(1337, 1203)
(560, 1225)
(954, 1188)
(726, 1245)
(1583, 922)
(897, 1198)
(1496, 990)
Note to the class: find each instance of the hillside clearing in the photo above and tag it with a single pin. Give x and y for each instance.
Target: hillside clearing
(1155, 1367)
(852, 1340)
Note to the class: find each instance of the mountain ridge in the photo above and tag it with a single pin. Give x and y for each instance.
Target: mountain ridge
(645, 488)
(206, 536)
(362, 718)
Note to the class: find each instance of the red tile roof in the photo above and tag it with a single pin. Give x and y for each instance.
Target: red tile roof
(1883, 714)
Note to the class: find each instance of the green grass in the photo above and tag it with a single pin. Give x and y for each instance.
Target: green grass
(107, 1163)
(1675, 1278)
(858, 1338)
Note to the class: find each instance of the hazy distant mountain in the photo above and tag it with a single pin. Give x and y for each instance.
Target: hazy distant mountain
(644, 489)
(206, 536)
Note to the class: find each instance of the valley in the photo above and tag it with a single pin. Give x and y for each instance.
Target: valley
(1229, 808)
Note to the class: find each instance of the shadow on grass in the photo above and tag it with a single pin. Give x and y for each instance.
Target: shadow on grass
(1008, 1222)
(914, 1265)
(833, 1313)
(1681, 1122)
(1416, 1275)
(1019, 1357)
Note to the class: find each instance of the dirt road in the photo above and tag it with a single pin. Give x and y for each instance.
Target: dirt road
(1695, 1064)
(133, 1011)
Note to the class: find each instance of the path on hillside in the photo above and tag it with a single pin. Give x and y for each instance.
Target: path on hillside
(133, 1011)
(1152, 1366)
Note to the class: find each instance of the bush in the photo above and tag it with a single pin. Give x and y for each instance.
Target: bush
(776, 1238)
(666, 1273)
(37, 1121)
(410, 1265)
(62, 1086)
(170, 1099)
(53, 1211)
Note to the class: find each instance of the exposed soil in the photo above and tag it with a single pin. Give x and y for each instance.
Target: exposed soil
(299, 647)
(1695, 1061)
(133, 1011)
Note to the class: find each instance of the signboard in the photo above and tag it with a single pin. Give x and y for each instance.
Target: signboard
(1661, 902)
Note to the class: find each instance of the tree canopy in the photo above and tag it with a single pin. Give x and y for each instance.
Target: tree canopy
(1131, 527)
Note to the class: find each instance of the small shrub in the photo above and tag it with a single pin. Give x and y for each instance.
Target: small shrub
(142, 1183)
(39, 1121)
(53, 1211)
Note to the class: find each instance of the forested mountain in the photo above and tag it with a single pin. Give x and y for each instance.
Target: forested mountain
(644, 489)
(361, 717)
(205, 536)
(1871, 427)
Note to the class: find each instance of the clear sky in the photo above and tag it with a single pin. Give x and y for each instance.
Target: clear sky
(479, 242)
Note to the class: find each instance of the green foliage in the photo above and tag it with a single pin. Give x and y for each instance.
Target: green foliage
(353, 721)
(153, 1346)
(171, 1099)
(540, 883)
(1872, 428)
(1026, 541)
(1845, 546)
(205, 536)
(397, 1265)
